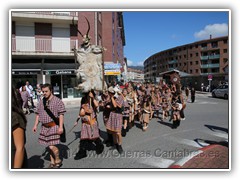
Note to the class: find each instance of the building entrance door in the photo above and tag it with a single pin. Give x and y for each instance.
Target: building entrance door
(57, 85)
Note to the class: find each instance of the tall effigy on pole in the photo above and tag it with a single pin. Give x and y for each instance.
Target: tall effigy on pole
(90, 60)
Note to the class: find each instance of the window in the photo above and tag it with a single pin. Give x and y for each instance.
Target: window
(196, 70)
(190, 71)
(185, 64)
(191, 55)
(225, 41)
(225, 60)
(196, 54)
(196, 62)
(190, 62)
(225, 51)
(196, 46)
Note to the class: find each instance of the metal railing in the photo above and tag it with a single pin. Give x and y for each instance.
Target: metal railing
(210, 66)
(216, 56)
(172, 61)
(204, 57)
(57, 13)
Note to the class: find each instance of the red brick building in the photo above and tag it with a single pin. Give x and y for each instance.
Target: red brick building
(200, 59)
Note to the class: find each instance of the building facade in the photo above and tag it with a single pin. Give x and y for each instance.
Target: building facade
(135, 75)
(200, 59)
(43, 43)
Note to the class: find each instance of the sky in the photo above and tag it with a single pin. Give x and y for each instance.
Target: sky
(149, 32)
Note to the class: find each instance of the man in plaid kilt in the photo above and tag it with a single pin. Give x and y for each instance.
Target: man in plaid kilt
(50, 131)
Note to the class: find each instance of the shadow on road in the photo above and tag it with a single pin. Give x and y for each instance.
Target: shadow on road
(35, 162)
(202, 142)
(165, 123)
(77, 136)
(214, 128)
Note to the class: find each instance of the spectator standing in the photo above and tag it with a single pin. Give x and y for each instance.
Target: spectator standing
(25, 95)
(193, 94)
(39, 92)
(18, 137)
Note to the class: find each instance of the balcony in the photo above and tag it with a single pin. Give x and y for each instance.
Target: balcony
(204, 57)
(205, 74)
(216, 56)
(31, 44)
(203, 66)
(204, 48)
(57, 13)
(172, 61)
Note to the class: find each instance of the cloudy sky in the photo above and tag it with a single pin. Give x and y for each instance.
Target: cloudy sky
(149, 32)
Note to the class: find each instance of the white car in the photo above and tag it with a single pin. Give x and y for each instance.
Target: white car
(221, 91)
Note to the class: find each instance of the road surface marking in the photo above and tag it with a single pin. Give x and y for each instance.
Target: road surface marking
(187, 142)
(156, 162)
(218, 134)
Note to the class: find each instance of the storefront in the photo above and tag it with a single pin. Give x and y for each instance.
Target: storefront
(60, 73)
(64, 83)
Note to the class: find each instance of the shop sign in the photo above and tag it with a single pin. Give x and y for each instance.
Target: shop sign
(108, 66)
(59, 72)
(112, 72)
(25, 72)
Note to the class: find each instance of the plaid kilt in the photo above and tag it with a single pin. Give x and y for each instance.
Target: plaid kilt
(156, 107)
(176, 112)
(49, 136)
(89, 133)
(114, 123)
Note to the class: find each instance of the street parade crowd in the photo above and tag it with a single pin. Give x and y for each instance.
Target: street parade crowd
(121, 106)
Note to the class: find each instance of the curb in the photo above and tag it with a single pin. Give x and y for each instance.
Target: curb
(184, 160)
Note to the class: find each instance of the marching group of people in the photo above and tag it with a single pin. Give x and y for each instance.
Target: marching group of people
(121, 107)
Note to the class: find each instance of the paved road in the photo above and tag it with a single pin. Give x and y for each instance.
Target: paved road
(159, 147)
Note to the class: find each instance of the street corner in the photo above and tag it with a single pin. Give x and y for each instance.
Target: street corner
(214, 156)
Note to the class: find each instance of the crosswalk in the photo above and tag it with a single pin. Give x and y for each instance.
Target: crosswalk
(194, 146)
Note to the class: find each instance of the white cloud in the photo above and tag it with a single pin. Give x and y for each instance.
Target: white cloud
(215, 30)
(129, 63)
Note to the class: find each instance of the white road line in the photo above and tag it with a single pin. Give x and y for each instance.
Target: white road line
(182, 161)
(187, 142)
(156, 162)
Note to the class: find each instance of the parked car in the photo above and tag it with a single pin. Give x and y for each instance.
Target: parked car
(221, 91)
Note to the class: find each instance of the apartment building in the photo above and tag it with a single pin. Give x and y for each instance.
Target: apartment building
(200, 59)
(135, 75)
(43, 42)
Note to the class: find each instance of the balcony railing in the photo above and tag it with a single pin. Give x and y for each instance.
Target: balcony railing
(57, 13)
(209, 73)
(31, 44)
(204, 57)
(204, 48)
(216, 56)
(172, 61)
(210, 66)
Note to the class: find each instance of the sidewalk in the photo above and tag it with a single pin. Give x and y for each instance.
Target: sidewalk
(210, 157)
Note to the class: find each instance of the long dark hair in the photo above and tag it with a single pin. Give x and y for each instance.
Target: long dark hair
(16, 106)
